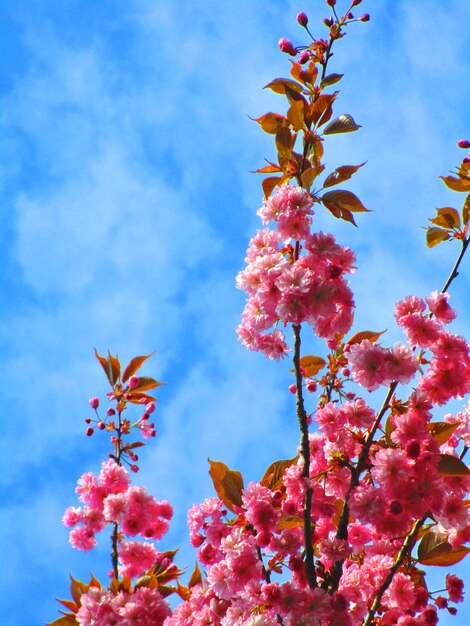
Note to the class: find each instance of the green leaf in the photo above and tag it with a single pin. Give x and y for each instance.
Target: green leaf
(342, 124)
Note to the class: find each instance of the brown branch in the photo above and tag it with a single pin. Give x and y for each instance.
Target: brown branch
(305, 452)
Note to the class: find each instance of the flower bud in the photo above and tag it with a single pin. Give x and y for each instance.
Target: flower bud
(303, 57)
(133, 382)
(101, 425)
(292, 388)
(111, 411)
(286, 46)
(134, 468)
(463, 143)
(331, 3)
(356, 2)
(89, 431)
(94, 403)
(365, 17)
(150, 407)
(302, 19)
(328, 21)
(87, 420)
(311, 386)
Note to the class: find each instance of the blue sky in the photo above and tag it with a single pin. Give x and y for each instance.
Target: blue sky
(127, 204)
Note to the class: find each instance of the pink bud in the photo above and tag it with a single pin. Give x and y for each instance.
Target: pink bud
(350, 16)
(463, 143)
(111, 411)
(150, 407)
(87, 420)
(134, 382)
(286, 46)
(94, 403)
(89, 431)
(365, 17)
(311, 386)
(293, 388)
(101, 425)
(302, 18)
(356, 2)
(346, 372)
(331, 3)
(134, 468)
(328, 21)
(303, 57)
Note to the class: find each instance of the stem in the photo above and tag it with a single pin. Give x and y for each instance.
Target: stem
(305, 452)
(454, 273)
(404, 552)
(342, 531)
(115, 532)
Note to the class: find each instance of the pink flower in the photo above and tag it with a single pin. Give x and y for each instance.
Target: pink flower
(439, 307)
(400, 364)
(82, 538)
(367, 363)
(72, 516)
(401, 592)
(114, 478)
(454, 586)
(136, 557)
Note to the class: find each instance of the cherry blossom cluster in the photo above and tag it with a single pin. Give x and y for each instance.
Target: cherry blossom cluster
(144, 606)
(109, 498)
(293, 276)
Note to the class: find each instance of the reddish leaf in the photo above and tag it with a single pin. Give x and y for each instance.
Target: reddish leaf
(452, 466)
(456, 184)
(281, 85)
(137, 397)
(466, 210)
(306, 75)
(309, 175)
(432, 545)
(134, 366)
(320, 111)
(65, 620)
(342, 173)
(272, 478)
(343, 200)
(342, 124)
(442, 431)
(272, 122)
(69, 604)
(434, 550)
(290, 521)
(295, 115)
(77, 588)
(270, 183)
(447, 217)
(312, 364)
(146, 383)
(434, 236)
(106, 365)
(115, 368)
(268, 169)
(227, 483)
(331, 79)
(365, 334)
(196, 577)
(284, 143)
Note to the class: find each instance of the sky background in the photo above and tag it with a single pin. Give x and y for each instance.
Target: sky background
(127, 204)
